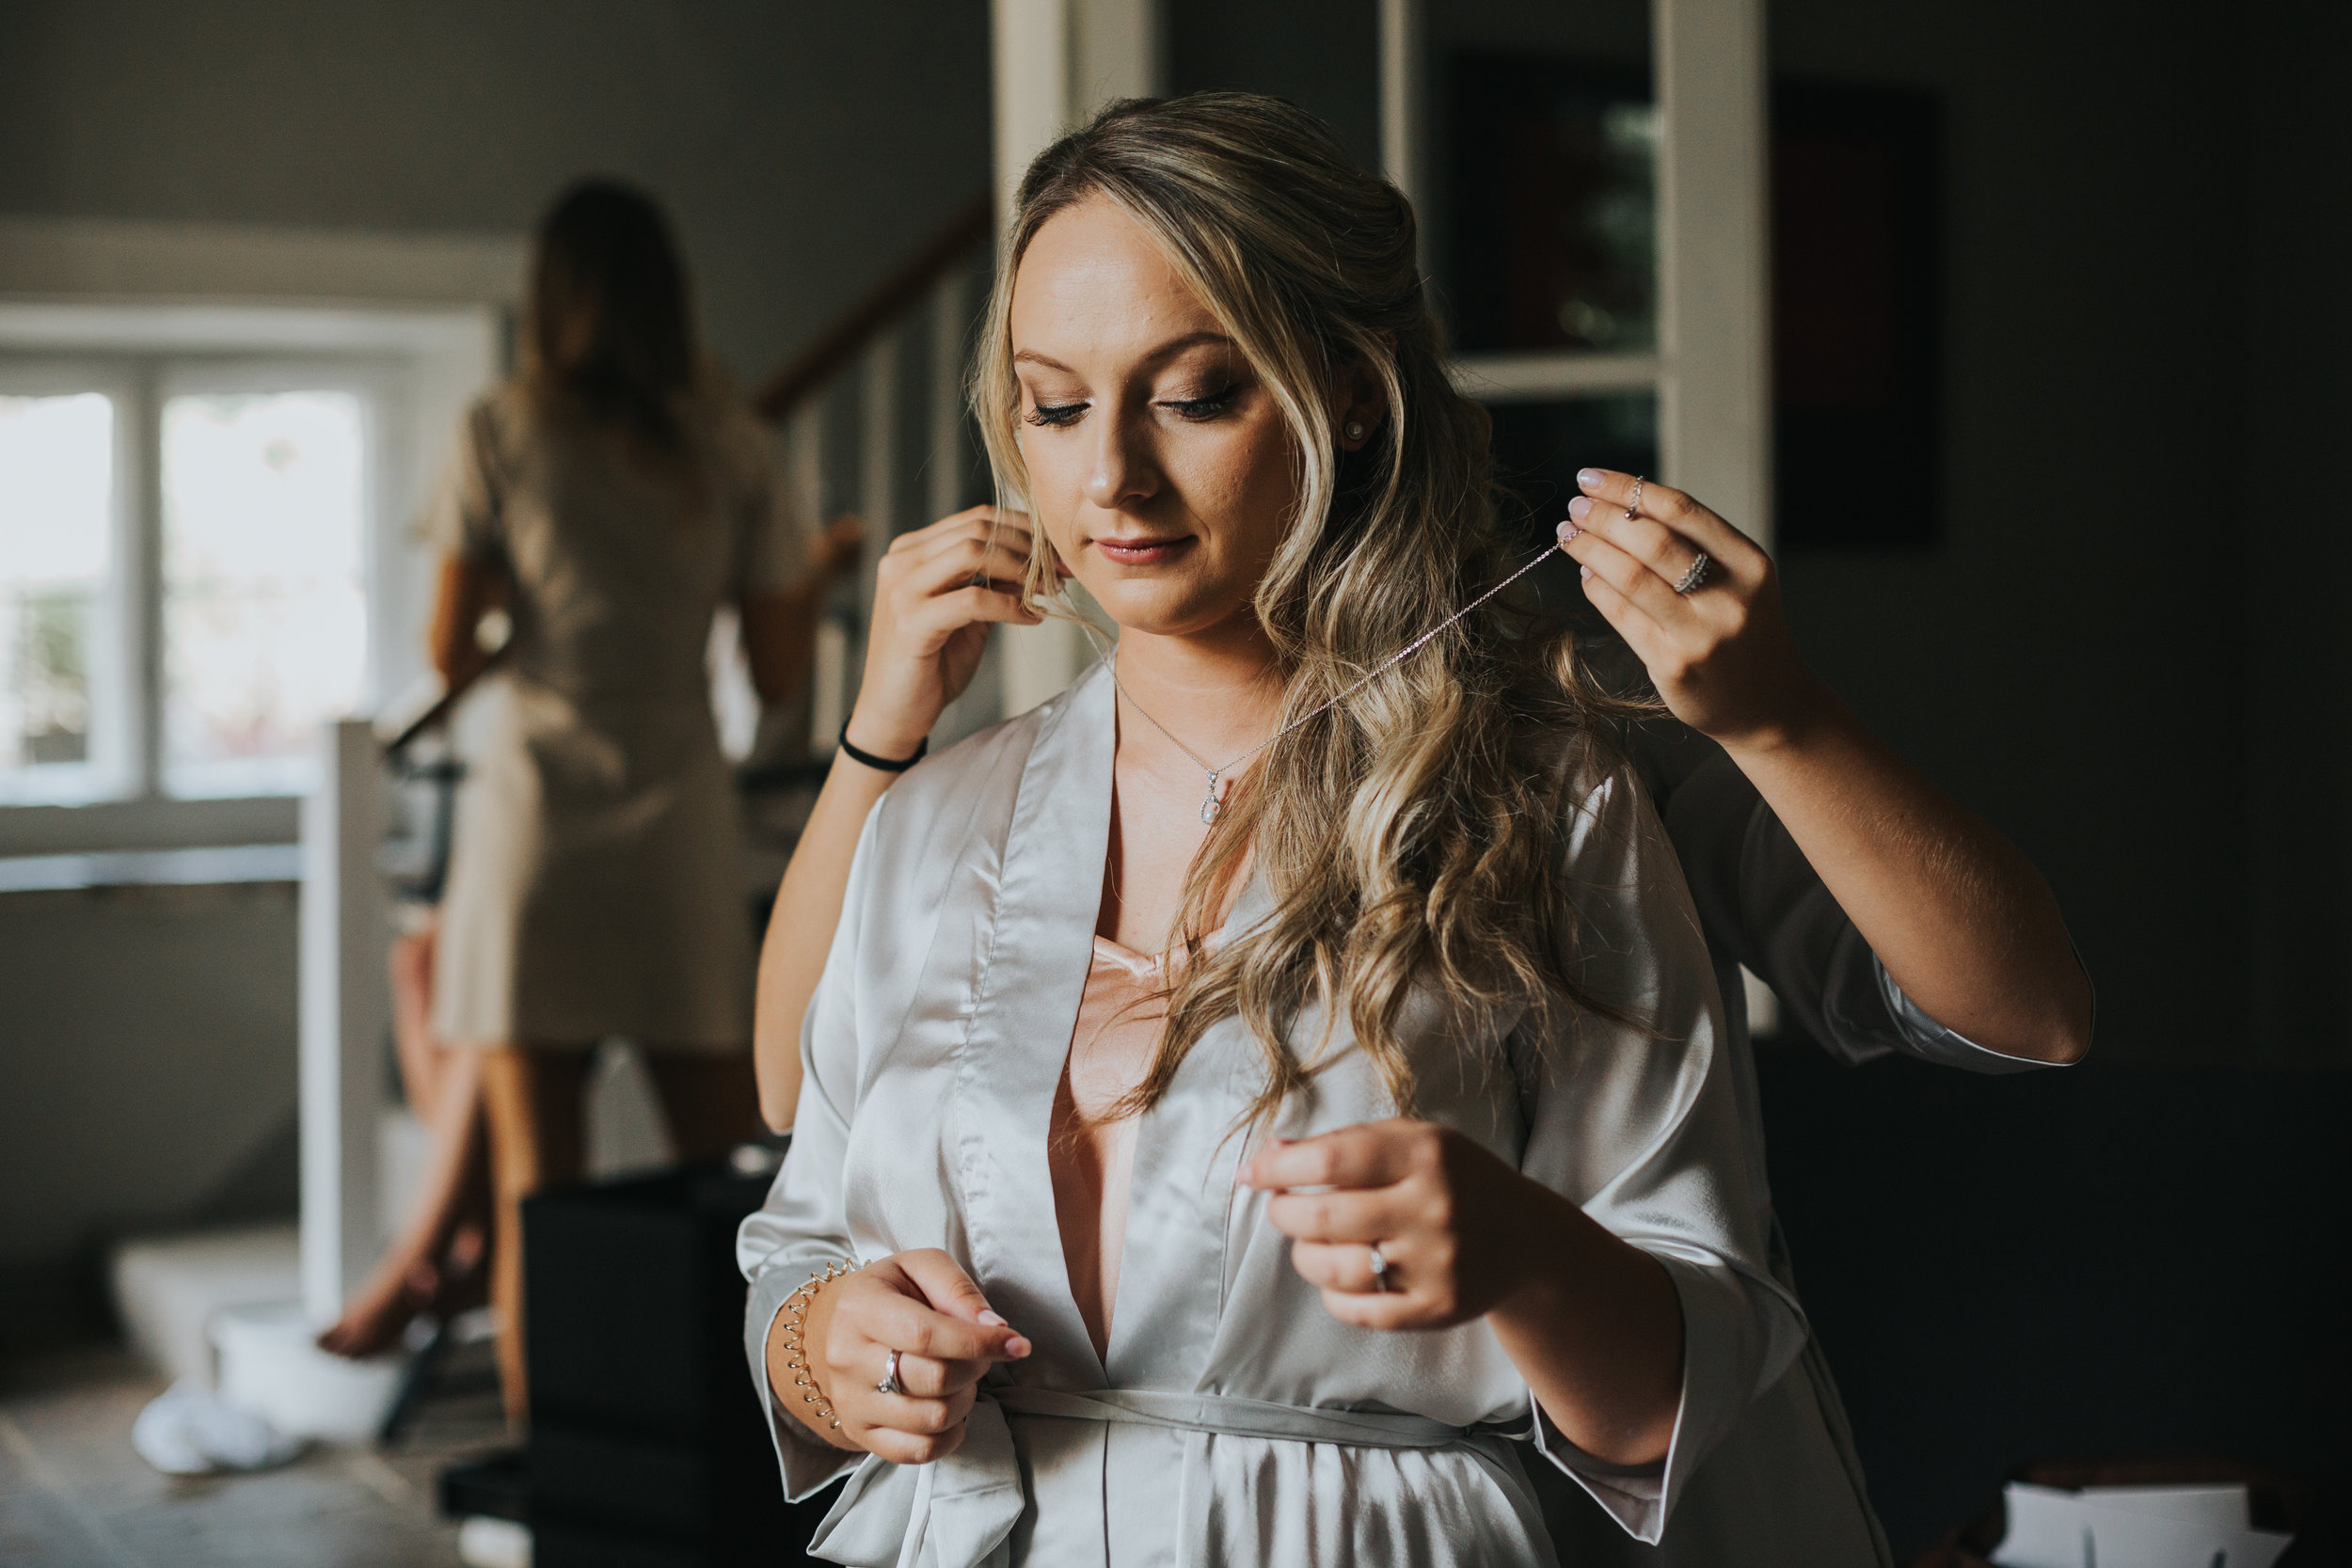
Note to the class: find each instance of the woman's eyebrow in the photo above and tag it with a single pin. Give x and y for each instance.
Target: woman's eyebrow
(1165, 351)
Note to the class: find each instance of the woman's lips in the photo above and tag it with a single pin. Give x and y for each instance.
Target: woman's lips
(1141, 552)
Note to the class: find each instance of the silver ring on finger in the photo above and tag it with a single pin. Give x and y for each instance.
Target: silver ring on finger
(1381, 1268)
(1695, 574)
(889, 1383)
(1635, 504)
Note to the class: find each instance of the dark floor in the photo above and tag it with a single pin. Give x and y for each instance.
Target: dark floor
(74, 1494)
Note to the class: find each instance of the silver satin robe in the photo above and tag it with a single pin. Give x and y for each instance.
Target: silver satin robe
(1233, 1420)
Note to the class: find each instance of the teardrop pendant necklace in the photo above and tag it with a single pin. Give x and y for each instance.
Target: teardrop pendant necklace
(1212, 803)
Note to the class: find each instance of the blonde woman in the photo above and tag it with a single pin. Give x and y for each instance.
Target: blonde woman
(1263, 1101)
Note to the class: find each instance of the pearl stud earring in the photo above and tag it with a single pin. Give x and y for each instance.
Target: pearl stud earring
(1355, 430)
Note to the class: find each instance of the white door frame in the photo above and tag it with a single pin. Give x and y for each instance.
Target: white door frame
(1056, 62)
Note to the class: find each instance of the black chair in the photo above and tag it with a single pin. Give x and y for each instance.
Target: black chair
(647, 1446)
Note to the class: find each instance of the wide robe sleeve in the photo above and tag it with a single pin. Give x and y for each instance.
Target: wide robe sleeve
(1765, 907)
(803, 1226)
(1632, 1114)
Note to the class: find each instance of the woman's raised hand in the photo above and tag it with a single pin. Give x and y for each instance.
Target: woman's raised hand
(921, 1304)
(1443, 1213)
(1720, 655)
(936, 591)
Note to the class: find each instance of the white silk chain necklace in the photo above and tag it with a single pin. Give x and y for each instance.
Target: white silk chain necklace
(1213, 803)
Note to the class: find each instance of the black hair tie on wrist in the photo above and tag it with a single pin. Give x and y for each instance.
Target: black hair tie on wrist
(882, 763)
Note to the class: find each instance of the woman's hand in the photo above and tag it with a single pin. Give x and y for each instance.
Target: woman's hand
(1449, 1218)
(1591, 1321)
(1721, 655)
(921, 1304)
(935, 594)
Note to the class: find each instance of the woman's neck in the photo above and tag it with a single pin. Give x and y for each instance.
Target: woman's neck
(1218, 692)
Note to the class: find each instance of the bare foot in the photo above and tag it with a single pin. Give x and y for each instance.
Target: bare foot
(374, 1318)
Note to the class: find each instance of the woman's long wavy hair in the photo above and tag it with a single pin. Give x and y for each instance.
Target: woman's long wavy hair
(1413, 835)
(610, 325)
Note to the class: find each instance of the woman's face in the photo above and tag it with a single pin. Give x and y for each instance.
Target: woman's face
(1159, 464)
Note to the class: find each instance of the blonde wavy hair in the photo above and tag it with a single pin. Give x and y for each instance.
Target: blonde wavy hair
(1413, 835)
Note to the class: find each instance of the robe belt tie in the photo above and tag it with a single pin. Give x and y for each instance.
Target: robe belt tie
(1235, 1417)
(958, 1511)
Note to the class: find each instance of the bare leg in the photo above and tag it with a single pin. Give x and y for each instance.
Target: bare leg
(712, 1101)
(533, 1100)
(408, 1278)
(442, 1086)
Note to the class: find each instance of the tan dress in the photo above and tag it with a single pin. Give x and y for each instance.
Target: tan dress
(596, 881)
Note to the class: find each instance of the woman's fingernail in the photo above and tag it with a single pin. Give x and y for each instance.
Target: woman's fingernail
(1569, 531)
(1585, 571)
(1580, 506)
(993, 1320)
(1591, 479)
(1017, 1348)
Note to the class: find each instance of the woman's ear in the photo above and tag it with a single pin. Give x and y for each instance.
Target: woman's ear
(1363, 403)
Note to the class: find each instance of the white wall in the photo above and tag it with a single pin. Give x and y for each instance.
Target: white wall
(803, 147)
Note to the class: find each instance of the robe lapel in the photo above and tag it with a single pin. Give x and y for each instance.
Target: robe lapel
(1189, 1147)
(1025, 1009)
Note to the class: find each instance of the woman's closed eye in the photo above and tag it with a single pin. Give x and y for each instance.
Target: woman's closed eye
(1054, 414)
(1208, 406)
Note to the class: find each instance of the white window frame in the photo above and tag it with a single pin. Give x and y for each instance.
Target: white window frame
(113, 763)
(415, 369)
(1711, 371)
(128, 657)
(381, 387)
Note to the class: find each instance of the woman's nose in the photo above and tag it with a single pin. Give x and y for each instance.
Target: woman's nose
(1124, 472)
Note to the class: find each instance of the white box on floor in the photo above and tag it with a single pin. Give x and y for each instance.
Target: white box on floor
(269, 1365)
(167, 1290)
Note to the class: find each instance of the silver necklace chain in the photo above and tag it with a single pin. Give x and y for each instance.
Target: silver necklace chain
(1210, 804)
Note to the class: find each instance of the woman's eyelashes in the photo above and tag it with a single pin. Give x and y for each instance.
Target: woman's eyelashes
(1207, 406)
(1050, 414)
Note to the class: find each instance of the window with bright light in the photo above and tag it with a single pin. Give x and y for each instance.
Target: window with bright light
(56, 550)
(264, 590)
(184, 593)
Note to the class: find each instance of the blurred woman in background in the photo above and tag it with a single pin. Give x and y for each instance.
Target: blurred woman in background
(609, 500)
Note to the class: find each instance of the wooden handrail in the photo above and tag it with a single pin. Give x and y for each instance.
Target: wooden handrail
(808, 370)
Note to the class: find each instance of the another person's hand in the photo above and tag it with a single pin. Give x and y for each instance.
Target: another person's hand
(836, 549)
(936, 593)
(1444, 1213)
(1720, 655)
(921, 1304)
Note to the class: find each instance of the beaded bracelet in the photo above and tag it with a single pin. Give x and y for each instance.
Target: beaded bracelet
(796, 1307)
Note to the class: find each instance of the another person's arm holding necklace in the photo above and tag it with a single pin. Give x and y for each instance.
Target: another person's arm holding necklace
(1961, 920)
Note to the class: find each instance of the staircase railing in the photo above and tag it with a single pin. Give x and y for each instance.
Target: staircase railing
(869, 418)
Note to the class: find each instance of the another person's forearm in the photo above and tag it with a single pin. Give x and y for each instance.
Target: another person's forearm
(937, 591)
(779, 634)
(799, 931)
(469, 589)
(1944, 899)
(1596, 1331)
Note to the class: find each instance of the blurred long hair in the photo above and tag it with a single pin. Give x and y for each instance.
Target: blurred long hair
(1416, 834)
(611, 329)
